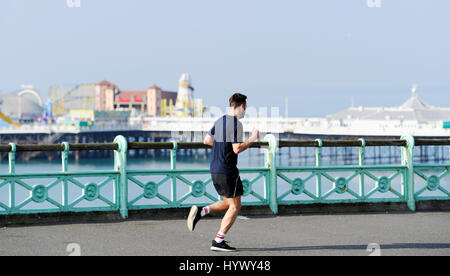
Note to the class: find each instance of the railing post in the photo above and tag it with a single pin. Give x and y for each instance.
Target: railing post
(407, 160)
(120, 164)
(361, 162)
(65, 156)
(173, 166)
(65, 190)
(319, 164)
(12, 159)
(12, 170)
(271, 163)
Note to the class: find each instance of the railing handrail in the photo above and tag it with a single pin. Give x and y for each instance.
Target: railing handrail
(59, 147)
(342, 143)
(199, 145)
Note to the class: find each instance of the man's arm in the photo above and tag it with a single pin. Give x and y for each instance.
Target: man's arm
(240, 147)
(209, 140)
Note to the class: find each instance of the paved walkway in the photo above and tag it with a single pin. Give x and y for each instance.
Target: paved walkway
(397, 234)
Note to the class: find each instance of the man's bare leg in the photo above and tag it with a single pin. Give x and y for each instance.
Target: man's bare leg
(234, 206)
(195, 214)
(218, 206)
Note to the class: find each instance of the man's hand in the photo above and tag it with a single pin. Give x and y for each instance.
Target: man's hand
(209, 140)
(240, 147)
(255, 134)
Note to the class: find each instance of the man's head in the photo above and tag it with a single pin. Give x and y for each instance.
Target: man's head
(238, 104)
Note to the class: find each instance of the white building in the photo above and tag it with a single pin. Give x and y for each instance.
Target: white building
(25, 106)
(412, 117)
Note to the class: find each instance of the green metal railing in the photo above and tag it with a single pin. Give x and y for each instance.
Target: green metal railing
(350, 185)
(270, 185)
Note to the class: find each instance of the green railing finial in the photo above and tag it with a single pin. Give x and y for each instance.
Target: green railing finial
(319, 152)
(362, 152)
(65, 156)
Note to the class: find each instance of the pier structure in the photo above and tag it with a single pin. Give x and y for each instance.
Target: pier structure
(164, 129)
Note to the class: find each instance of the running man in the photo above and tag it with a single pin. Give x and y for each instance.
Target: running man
(226, 139)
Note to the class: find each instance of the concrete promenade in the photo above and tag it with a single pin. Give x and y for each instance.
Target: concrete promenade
(398, 233)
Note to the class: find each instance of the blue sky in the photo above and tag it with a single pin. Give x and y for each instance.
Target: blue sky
(317, 53)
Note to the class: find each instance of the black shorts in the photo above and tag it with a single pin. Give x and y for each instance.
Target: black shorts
(229, 186)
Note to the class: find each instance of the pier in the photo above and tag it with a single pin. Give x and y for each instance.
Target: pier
(166, 129)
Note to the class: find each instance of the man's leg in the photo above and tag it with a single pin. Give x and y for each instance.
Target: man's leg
(234, 206)
(218, 206)
(196, 213)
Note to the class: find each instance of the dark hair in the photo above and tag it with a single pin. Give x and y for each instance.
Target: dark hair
(237, 99)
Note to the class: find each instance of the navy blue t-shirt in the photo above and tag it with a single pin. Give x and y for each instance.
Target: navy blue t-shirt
(226, 131)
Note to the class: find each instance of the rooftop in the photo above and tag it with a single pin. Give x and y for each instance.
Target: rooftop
(414, 109)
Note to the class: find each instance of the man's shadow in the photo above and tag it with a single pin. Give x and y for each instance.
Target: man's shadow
(352, 247)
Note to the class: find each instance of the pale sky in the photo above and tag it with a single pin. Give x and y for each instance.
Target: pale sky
(318, 53)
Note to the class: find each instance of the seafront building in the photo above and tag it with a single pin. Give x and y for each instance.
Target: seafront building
(153, 101)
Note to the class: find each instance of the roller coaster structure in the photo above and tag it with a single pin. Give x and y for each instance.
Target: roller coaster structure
(80, 96)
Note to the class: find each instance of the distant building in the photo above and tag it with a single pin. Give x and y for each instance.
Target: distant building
(148, 102)
(413, 110)
(104, 95)
(158, 101)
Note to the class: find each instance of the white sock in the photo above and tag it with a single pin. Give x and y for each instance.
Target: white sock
(205, 211)
(220, 237)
